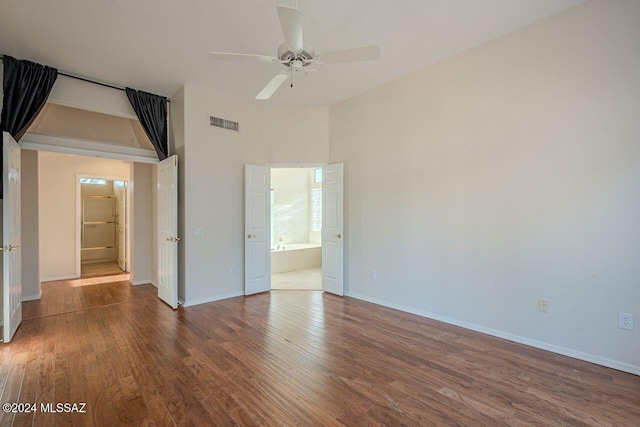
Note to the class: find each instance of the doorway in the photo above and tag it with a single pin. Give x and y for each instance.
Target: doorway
(296, 228)
(258, 228)
(103, 226)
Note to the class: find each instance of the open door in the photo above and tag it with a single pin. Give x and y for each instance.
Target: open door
(121, 223)
(168, 231)
(257, 229)
(332, 231)
(11, 254)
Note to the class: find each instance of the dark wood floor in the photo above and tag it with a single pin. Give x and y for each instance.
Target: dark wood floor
(299, 358)
(66, 296)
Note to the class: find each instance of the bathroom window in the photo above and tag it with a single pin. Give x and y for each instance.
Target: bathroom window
(93, 181)
(316, 208)
(317, 175)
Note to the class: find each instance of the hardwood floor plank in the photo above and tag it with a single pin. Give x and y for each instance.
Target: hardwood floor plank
(29, 386)
(11, 390)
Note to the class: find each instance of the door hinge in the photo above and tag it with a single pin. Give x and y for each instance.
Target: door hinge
(175, 161)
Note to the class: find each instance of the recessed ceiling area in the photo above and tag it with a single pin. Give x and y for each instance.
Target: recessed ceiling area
(158, 46)
(75, 123)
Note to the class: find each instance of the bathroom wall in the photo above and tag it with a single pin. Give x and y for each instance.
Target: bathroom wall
(290, 206)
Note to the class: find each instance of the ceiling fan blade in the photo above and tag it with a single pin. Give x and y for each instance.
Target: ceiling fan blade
(241, 57)
(291, 23)
(272, 86)
(366, 53)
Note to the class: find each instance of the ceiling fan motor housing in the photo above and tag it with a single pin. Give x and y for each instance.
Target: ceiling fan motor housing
(287, 56)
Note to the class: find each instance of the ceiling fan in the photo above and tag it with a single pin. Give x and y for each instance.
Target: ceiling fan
(295, 55)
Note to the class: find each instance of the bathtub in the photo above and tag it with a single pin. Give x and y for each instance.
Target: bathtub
(296, 256)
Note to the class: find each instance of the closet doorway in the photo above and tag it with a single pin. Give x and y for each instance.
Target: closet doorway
(103, 226)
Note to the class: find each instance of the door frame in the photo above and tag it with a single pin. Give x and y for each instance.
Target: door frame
(79, 216)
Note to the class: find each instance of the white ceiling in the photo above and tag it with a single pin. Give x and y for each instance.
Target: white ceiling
(159, 45)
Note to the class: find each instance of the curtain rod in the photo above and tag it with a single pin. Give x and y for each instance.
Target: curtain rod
(89, 80)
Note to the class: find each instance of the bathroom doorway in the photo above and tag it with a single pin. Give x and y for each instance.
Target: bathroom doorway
(296, 228)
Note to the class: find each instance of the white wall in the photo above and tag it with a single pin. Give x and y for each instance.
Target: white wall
(142, 225)
(30, 226)
(506, 174)
(57, 207)
(176, 146)
(213, 187)
(154, 225)
(88, 96)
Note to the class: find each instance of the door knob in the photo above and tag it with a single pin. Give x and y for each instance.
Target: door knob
(250, 236)
(12, 248)
(173, 239)
(338, 235)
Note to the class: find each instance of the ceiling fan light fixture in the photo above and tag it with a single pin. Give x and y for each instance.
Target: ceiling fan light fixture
(294, 54)
(285, 55)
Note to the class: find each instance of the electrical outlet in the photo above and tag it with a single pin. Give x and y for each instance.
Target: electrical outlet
(374, 275)
(543, 305)
(232, 271)
(625, 321)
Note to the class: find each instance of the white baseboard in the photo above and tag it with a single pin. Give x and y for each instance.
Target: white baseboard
(598, 360)
(141, 282)
(211, 299)
(55, 278)
(31, 297)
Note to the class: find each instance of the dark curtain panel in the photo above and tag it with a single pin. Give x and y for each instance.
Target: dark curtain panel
(26, 87)
(152, 112)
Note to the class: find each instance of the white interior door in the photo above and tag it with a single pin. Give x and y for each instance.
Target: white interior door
(332, 231)
(168, 230)
(257, 229)
(11, 238)
(121, 223)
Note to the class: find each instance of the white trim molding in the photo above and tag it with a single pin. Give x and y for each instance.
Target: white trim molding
(210, 299)
(58, 144)
(31, 297)
(56, 278)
